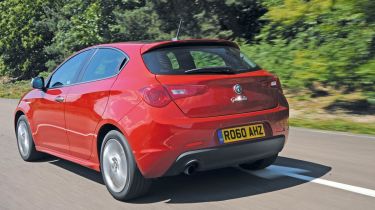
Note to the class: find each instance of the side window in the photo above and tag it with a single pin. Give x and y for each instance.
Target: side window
(105, 63)
(204, 59)
(66, 73)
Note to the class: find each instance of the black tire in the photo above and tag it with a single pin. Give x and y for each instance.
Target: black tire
(31, 154)
(259, 164)
(135, 185)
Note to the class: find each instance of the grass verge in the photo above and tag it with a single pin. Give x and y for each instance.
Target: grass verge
(335, 125)
(14, 90)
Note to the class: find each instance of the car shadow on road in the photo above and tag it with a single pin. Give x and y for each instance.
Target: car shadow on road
(228, 183)
(77, 169)
(215, 185)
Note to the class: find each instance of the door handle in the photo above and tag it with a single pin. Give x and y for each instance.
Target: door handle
(59, 99)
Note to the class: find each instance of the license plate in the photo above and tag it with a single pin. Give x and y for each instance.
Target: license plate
(241, 133)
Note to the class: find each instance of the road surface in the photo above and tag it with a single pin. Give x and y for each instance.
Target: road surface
(316, 170)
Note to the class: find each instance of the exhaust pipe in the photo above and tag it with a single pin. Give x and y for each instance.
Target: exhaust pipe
(191, 167)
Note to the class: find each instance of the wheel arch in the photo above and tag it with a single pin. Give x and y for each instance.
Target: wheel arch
(104, 129)
(17, 116)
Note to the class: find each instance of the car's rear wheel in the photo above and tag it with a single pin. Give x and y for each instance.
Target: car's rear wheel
(25, 142)
(259, 164)
(120, 172)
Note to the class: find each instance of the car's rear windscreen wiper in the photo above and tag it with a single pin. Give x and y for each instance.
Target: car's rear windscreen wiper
(214, 70)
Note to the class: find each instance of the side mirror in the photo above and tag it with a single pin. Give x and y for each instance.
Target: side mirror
(38, 83)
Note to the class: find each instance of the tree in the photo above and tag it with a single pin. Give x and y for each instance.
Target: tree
(23, 37)
(77, 25)
(37, 35)
(211, 18)
(326, 42)
(136, 21)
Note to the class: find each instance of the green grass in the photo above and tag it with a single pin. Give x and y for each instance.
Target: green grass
(334, 125)
(14, 90)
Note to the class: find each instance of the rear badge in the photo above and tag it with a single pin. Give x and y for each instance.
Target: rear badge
(237, 89)
(239, 98)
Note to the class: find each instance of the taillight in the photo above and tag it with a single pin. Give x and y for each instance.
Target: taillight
(156, 96)
(274, 82)
(183, 91)
(160, 96)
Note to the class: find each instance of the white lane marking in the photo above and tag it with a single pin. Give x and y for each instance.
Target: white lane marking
(334, 132)
(275, 171)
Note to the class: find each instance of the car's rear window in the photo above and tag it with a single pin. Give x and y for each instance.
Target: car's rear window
(198, 60)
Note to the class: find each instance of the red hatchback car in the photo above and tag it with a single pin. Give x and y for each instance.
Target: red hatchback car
(142, 110)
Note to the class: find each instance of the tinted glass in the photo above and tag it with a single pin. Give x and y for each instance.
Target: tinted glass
(68, 71)
(179, 60)
(105, 63)
(204, 59)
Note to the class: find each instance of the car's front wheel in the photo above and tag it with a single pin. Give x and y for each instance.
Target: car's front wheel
(120, 172)
(259, 164)
(25, 142)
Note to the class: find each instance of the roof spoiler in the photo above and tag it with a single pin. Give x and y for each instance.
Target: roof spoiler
(192, 42)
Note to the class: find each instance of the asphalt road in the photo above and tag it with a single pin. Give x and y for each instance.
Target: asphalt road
(316, 170)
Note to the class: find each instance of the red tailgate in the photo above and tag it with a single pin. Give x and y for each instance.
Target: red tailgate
(216, 95)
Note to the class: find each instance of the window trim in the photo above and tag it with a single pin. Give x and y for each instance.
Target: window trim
(79, 76)
(82, 72)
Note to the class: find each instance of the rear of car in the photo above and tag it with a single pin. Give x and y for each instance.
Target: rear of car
(210, 107)
(136, 111)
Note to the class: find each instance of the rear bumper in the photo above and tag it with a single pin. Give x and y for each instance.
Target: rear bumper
(228, 155)
(158, 136)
